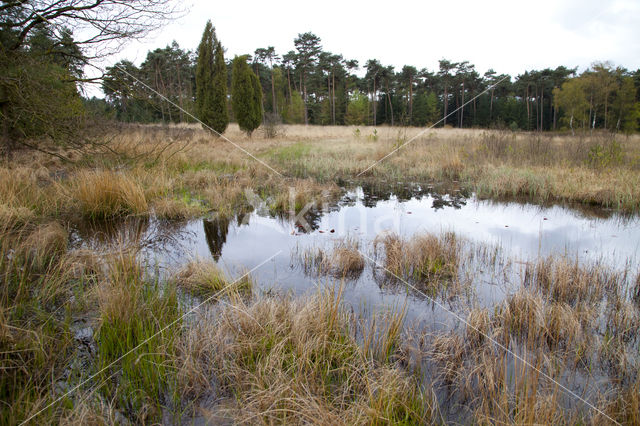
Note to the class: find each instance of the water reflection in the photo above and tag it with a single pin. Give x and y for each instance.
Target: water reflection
(156, 237)
(215, 231)
(370, 194)
(107, 232)
(240, 242)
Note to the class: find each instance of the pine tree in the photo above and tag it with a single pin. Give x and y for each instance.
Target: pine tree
(219, 94)
(246, 95)
(211, 82)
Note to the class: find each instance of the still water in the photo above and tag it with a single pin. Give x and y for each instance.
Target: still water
(516, 232)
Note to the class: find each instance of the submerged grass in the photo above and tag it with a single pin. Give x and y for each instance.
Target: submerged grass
(430, 262)
(133, 310)
(205, 279)
(286, 361)
(344, 260)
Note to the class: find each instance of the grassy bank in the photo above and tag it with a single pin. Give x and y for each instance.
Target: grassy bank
(180, 172)
(68, 312)
(270, 358)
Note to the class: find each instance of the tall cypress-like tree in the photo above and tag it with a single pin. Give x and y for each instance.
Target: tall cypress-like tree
(219, 94)
(211, 82)
(246, 95)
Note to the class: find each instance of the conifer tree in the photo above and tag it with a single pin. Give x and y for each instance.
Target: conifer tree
(219, 94)
(211, 82)
(246, 95)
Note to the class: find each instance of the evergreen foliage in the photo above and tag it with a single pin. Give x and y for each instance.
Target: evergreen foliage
(38, 95)
(246, 95)
(211, 82)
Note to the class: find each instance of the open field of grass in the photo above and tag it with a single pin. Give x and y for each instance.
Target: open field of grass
(265, 357)
(181, 171)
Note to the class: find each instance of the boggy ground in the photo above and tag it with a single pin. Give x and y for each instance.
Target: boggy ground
(67, 314)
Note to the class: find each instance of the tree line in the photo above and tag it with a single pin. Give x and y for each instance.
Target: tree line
(42, 64)
(309, 85)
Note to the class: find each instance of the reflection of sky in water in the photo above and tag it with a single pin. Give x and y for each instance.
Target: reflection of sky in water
(522, 230)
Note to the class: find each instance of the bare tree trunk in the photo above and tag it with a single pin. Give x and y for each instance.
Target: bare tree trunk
(571, 125)
(475, 113)
(333, 98)
(526, 101)
(375, 120)
(606, 103)
(462, 106)
(180, 94)
(274, 105)
(491, 106)
(304, 88)
(590, 106)
(542, 109)
(329, 95)
(410, 100)
(537, 106)
(7, 143)
(390, 105)
(446, 104)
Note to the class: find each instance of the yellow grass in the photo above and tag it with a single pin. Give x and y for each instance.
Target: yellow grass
(282, 360)
(205, 279)
(105, 194)
(297, 362)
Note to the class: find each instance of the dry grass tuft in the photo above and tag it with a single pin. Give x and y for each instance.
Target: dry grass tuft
(121, 292)
(14, 217)
(297, 362)
(205, 278)
(173, 209)
(521, 315)
(623, 406)
(344, 260)
(429, 261)
(569, 282)
(448, 352)
(304, 195)
(479, 327)
(347, 258)
(45, 243)
(106, 194)
(90, 409)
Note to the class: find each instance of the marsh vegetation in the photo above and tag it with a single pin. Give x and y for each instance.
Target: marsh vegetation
(92, 324)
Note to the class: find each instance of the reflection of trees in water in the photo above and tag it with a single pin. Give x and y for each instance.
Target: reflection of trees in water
(215, 231)
(140, 233)
(128, 231)
(444, 195)
(456, 201)
(307, 221)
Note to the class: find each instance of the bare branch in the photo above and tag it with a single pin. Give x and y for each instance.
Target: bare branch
(93, 22)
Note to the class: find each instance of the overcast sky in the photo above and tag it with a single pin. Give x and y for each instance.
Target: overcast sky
(509, 36)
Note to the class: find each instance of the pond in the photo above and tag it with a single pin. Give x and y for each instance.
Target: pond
(513, 233)
(498, 241)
